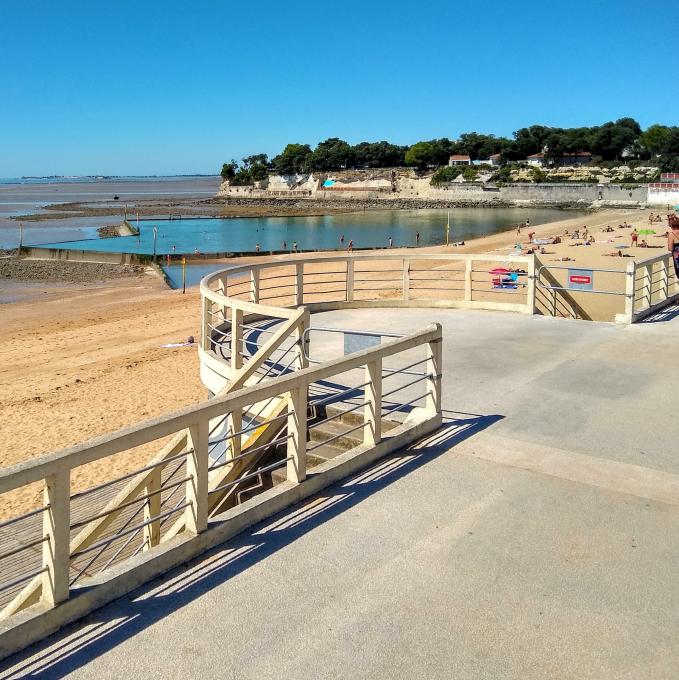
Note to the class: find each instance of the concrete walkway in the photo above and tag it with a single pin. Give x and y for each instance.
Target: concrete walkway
(535, 536)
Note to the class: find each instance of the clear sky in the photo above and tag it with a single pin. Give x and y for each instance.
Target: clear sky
(149, 87)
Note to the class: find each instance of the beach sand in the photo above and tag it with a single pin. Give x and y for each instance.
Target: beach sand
(81, 360)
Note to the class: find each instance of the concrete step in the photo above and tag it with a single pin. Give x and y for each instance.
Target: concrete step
(338, 432)
(356, 417)
(319, 436)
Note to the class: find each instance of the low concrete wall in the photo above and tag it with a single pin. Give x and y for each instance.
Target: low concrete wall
(79, 255)
(663, 197)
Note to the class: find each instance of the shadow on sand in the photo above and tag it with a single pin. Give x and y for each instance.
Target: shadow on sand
(77, 644)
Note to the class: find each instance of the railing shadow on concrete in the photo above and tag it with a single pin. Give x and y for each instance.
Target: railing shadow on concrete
(663, 315)
(73, 647)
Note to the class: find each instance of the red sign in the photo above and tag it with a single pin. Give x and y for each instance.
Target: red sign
(580, 279)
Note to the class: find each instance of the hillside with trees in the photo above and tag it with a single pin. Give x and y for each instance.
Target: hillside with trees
(614, 141)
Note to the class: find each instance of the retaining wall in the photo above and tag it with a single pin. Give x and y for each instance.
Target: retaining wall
(79, 255)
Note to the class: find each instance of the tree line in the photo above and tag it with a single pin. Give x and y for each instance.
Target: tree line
(618, 140)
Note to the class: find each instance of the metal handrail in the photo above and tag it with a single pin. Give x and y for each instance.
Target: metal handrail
(26, 515)
(129, 475)
(138, 499)
(135, 528)
(251, 475)
(24, 546)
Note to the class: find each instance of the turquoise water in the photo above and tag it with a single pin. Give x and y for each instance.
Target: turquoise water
(194, 273)
(370, 229)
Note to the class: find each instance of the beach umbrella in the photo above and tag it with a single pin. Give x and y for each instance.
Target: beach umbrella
(499, 270)
(646, 231)
(621, 245)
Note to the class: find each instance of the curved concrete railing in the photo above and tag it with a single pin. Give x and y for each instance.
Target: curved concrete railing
(276, 291)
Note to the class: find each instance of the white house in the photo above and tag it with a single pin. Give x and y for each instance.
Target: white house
(536, 159)
(457, 159)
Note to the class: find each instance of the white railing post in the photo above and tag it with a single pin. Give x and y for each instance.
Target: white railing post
(195, 514)
(237, 348)
(468, 269)
(434, 368)
(56, 527)
(300, 338)
(254, 284)
(648, 286)
(372, 432)
(152, 509)
(664, 278)
(530, 287)
(206, 336)
(297, 433)
(235, 424)
(299, 284)
(350, 279)
(406, 278)
(630, 285)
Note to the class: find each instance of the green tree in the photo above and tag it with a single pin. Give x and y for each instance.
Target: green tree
(654, 139)
(538, 176)
(379, 155)
(229, 170)
(258, 172)
(421, 155)
(332, 154)
(294, 159)
(446, 174)
(470, 173)
(669, 154)
(255, 159)
(611, 139)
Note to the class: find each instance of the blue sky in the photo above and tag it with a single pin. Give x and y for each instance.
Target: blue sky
(150, 87)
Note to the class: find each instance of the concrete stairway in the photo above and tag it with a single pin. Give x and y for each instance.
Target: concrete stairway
(332, 436)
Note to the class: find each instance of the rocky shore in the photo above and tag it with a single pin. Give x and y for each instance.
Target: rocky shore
(63, 271)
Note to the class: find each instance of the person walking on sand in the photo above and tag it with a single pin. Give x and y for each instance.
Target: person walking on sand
(294, 246)
(285, 245)
(391, 242)
(673, 244)
(350, 247)
(518, 229)
(257, 247)
(342, 241)
(635, 237)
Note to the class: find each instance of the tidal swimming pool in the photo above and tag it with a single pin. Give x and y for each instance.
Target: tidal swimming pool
(370, 229)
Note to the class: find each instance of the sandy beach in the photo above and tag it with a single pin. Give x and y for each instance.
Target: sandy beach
(80, 360)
